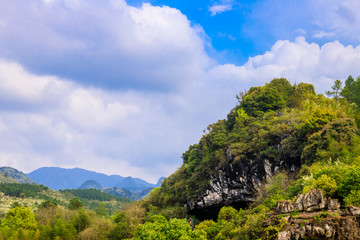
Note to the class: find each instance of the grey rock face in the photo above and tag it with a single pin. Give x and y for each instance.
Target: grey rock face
(311, 201)
(332, 228)
(354, 211)
(284, 207)
(332, 204)
(238, 182)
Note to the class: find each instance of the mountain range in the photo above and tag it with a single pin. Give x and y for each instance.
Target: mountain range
(61, 178)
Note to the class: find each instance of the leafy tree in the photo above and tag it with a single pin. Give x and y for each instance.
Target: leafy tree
(353, 198)
(81, 221)
(48, 204)
(326, 183)
(75, 203)
(63, 229)
(210, 228)
(351, 182)
(167, 230)
(19, 217)
(227, 213)
(351, 90)
(336, 90)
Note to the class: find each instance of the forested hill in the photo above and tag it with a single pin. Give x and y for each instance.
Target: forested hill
(277, 128)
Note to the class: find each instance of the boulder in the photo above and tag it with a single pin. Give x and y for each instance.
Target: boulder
(332, 204)
(354, 211)
(311, 201)
(284, 206)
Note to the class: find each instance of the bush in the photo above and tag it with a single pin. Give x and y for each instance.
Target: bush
(227, 213)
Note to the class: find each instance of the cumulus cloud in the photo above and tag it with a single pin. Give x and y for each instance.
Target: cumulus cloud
(61, 123)
(108, 44)
(298, 61)
(125, 90)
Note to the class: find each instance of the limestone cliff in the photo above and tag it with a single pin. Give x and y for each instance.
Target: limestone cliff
(237, 184)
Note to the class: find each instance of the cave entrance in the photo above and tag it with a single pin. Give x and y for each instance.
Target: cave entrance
(211, 213)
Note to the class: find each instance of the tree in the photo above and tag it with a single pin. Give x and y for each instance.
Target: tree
(336, 89)
(351, 90)
(19, 217)
(75, 203)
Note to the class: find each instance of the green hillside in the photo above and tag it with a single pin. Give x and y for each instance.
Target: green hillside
(13, 174)
(5, 178)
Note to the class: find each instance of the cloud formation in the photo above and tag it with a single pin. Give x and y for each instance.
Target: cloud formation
(125, 90)
(101, 42)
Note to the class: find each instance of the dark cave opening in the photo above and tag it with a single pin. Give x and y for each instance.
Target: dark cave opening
(211, 213)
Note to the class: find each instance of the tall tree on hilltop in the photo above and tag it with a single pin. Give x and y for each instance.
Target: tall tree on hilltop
(336, 89)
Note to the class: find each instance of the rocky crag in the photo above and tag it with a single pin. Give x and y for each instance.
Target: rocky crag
(311, 216)
(237, 184)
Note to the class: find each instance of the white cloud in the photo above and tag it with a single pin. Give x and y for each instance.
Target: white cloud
(134, 128)
(338, 18)
(108, 43)
(298, 61)
(322, 34)
(220, 8)
(139, 133)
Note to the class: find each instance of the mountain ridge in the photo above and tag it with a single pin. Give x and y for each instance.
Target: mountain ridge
(10, 174)
(63, 178)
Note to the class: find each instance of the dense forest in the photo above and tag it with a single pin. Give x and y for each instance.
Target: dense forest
(313, 141)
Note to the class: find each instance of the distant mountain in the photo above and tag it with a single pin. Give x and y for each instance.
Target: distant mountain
(61, 178)
(125, 193)
(134, 184)
(5, 178)
(10, 174)
(90, 184)
(158, 184)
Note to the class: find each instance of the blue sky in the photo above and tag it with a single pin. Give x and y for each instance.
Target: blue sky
(125, 87)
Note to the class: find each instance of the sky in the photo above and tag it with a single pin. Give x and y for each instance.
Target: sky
(124, 87)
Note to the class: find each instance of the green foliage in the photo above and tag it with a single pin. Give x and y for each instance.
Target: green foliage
(327, 184)
(81, 221)
(353, 198)
(334, 141)
(227, 213)
(48, 204)
(336, 89)
(167, 230)
(23, 189)
(19, 217)
(351, 90)
(92, 194)
(262, 100)
(75, 203)
(275, 190)
(317, 121)
(351, 182)
(62, 229)
(210, 228)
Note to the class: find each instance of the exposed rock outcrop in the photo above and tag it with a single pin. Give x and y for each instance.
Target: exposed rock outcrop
(310, 201)
(354, 211)
(284, 206)
(239, 182)
(317, 219)
(310, 227)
